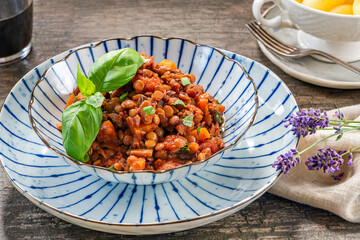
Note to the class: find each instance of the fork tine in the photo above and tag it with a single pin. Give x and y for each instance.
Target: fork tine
(271, 37)
(284, 49)
(269, 41)
(266, 41)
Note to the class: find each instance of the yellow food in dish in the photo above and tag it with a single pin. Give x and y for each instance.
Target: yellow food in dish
(323, 5)
(356, 7)
(348, 7)
(343, 9)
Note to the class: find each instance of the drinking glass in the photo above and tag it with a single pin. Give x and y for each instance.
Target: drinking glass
(16, 20)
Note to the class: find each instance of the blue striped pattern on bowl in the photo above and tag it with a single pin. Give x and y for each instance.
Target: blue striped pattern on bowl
(216, 192)
(223, 78)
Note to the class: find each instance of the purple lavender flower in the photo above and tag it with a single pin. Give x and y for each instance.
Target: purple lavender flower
(337, 177)
(328, 159)
(307, 121)
(350, 157)
(339, 115)
(287, 161)
(338, 129)
(350, 162)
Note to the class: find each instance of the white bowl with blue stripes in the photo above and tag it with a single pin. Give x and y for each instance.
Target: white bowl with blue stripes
(240, 176)
(223, 78)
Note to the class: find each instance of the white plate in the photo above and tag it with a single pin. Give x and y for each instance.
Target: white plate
(309, 69)
(228, 186)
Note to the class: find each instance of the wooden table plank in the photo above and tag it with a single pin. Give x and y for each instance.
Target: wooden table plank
(61, 25)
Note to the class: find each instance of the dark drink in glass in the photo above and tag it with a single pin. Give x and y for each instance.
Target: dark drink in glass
(16, 20)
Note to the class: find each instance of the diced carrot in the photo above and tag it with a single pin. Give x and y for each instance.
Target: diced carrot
(203, 134)
(149, 63)
(141, 152)
(169, 64)
(107, 132)
(80, 96)
(221, 108)
(70, 100)
(74, 98)
(141, 163)
(203, 105)
(135, 163)
(59, 126)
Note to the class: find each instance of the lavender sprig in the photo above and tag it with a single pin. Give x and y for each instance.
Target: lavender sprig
(329, 160)
(287, 161)
(306, 123)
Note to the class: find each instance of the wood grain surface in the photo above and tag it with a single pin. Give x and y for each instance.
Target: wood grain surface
(61, 25)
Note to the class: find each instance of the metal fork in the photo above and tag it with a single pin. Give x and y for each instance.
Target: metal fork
(286, 50)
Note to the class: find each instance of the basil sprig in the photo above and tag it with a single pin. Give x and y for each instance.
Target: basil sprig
(185, 81)
(218, 116)
(149, 110)
(183, 150)
(198, 130)
(188, 120)
(86, 86)
(115, 69)
(123, 97)
(81, 121)
(80, 125)
(178, 102)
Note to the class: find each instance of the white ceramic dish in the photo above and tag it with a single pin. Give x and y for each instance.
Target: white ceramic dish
(220, 76)
(309, 69)
(224, 188)
(336, 34)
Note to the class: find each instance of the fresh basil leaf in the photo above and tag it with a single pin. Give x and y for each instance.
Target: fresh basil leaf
(188, 120)
(183, 150)
(80, 126)
(123, 97)
(185, 81)
(95, 100)
(111, 168)
(218, 116)
(149, 110)
(86, 86)
(198, 130)
(178, 102)
(217, 101)
(115, 69)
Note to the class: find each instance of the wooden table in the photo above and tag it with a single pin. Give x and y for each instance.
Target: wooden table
(61, 25)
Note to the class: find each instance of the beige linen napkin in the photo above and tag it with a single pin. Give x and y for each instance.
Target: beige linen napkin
(318, 189)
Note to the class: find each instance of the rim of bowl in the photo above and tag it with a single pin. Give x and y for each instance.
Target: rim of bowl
(345, 16)
(94, 45)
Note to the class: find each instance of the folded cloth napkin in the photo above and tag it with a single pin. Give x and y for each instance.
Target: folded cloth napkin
(318, 189)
